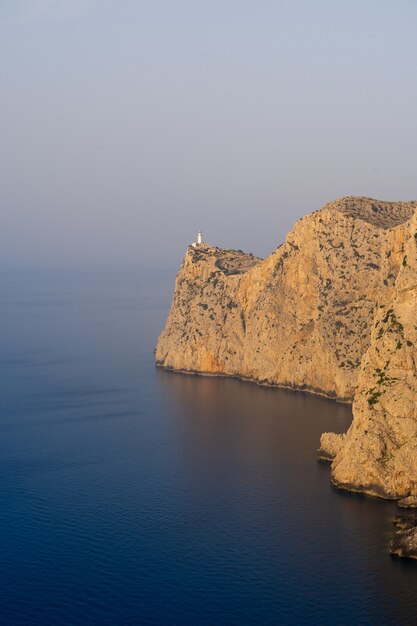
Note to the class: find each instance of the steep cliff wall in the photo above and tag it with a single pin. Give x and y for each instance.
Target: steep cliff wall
(378, 455)
(302, 318)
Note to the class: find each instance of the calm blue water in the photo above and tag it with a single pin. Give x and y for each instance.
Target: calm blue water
(134, 496)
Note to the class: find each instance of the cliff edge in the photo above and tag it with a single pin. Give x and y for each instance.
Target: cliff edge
(301, 318)
(330, 311)
(378, 455)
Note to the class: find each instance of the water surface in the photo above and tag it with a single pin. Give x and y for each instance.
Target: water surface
(130, 495)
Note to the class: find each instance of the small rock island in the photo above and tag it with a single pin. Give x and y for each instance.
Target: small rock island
(332, 311)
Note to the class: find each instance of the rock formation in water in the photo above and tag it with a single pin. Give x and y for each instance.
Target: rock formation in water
(410, 502)
(331, 312)
(404, 543)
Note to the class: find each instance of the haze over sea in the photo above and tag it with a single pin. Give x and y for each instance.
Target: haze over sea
(135, 496)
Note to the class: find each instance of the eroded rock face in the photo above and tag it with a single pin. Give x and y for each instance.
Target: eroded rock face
(379, 453)
(330, 446)
(410, 502)
(331, 311)
(404, 543)
(301, 318)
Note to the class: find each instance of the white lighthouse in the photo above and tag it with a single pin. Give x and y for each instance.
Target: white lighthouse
(199, 240)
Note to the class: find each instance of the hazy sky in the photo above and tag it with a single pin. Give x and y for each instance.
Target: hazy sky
(126, 125)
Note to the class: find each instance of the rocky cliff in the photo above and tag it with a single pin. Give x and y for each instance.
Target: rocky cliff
(301, 318)
(331, 312)
(378, 455)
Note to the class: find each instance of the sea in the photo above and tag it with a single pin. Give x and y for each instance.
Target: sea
(135, 496)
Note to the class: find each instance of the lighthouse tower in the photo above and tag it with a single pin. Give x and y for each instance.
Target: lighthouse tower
(199, 240)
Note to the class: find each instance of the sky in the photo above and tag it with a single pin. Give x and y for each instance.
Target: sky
(127, 125)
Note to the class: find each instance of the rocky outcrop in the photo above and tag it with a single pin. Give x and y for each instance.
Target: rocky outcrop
(410, 502)
(301, 318)
(330, 446)
(404, 542)
(378, 455)
(331, 311)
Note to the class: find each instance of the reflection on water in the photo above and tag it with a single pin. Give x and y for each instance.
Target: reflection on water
(327, 548)
(131, 495)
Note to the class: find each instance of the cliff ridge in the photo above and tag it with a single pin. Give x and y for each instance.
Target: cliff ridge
(331, 311)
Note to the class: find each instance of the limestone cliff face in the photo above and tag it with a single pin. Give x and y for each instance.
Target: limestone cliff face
(332, 311)
(378, 455)
(301, 318)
